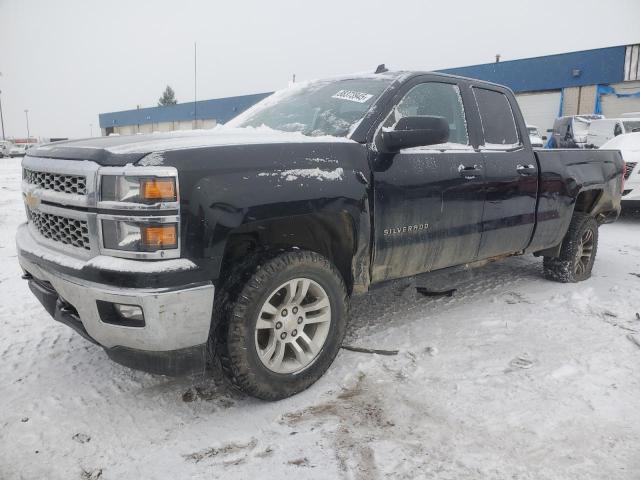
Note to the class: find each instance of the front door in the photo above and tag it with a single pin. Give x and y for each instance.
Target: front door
(428, 201)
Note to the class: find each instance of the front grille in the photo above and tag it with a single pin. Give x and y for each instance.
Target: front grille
(61, 229)
(57, 182)
(629, 166)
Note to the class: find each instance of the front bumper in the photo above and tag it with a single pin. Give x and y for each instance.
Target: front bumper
(631, 193)
(177, 320)
(630, 200)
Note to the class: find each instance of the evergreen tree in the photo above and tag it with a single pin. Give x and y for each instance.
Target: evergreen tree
(168, 97)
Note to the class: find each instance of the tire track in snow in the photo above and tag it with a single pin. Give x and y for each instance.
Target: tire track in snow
(399, 303)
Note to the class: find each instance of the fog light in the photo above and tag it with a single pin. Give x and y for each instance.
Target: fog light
(120, 314)
(130, 312)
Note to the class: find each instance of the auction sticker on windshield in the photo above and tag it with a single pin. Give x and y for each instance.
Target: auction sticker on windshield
(352, 96)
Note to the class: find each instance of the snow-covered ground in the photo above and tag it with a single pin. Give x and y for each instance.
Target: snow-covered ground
(512, 377)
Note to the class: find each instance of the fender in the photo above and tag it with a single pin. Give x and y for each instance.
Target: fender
(236, 190)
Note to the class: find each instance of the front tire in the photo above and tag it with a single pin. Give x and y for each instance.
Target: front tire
(285, 327)
(577, 254)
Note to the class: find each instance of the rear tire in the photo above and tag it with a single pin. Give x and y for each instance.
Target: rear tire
(267, 350)
(577, 254)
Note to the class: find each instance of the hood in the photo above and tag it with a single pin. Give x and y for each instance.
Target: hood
(121, 150)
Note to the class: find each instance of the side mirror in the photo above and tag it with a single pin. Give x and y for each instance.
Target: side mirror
(415, 132)
(544, 137)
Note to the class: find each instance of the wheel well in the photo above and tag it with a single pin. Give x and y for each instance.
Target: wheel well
(332, 236)
(587, 200)
(585, 203)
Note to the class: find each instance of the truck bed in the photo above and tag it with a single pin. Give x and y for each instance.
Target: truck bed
(571, 176)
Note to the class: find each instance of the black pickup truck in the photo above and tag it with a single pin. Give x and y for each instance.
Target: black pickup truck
(242, 245)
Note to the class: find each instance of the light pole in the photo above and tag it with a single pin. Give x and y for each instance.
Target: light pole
(1, 117)
(26, 114)
(91, 127)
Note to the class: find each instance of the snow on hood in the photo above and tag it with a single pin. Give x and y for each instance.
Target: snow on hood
(219, 136)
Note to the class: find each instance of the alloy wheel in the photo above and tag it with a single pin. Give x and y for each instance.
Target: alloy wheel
(584, 253)
(292, 326)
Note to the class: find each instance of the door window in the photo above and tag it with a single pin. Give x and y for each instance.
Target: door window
(434, 99)
(498, 124)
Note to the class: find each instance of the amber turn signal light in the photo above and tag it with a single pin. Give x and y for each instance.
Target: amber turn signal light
(159, 189)
(160, 237)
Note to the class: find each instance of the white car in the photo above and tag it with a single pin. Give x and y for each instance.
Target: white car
(5, 148)
(18, 150)
(604, 129)
(534, 137)
(629, 146)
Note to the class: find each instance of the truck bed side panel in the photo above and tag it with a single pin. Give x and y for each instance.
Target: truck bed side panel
(564, 174)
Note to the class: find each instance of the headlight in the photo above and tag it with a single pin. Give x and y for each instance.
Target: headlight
(136, 189)
(139, 212)
(132, 236)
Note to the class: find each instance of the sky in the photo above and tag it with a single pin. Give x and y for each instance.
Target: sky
(65, 61)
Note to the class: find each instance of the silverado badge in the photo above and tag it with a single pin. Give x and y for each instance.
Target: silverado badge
(405, 229)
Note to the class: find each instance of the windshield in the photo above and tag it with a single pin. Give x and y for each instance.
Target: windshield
(630, 126)
(533, 131)
(330, 107)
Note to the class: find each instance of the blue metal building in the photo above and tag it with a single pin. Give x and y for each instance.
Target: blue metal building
(603, 80)
(201, 114)
(552, 72)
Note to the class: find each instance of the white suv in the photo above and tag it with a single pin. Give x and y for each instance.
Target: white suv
(629, 146)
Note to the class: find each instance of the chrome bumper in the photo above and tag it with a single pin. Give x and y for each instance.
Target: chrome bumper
(175, 318)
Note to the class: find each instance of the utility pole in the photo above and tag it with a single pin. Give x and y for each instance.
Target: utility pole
(91, 127)
(26, 113)
(195, 84)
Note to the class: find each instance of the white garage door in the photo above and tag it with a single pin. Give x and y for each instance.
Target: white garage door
(540, 109)
(613, 107)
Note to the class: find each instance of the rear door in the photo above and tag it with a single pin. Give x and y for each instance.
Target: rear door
(427, 200)
(511, 175)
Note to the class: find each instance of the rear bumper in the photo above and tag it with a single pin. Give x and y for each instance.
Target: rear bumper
(172, 338)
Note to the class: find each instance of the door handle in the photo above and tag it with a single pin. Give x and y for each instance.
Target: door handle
(526, 169)
(469, 171)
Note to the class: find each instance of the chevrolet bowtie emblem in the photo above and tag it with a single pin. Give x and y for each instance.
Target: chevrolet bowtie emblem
(31, 200)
